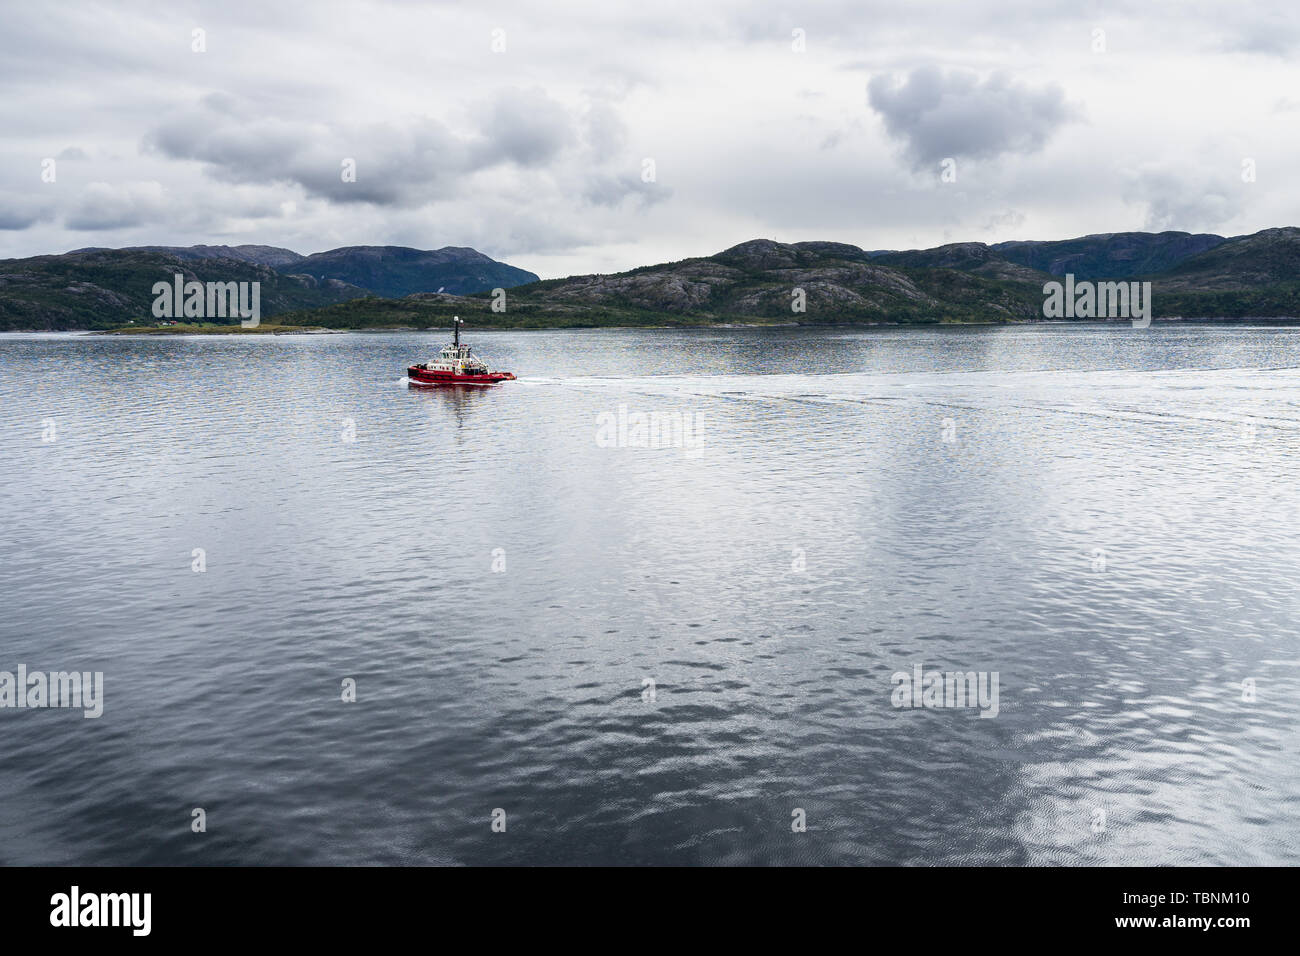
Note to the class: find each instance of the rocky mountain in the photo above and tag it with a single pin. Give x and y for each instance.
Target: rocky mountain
(398, 270)
(104, 288)
(96, 288)
(966, 256)
(757, 282)
(1192, 275)
(1247, 262)
(1117, 255)
(272, 256)
(760, 281)
(1251, 276)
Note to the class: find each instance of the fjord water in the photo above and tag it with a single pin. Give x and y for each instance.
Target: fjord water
(1108, 522)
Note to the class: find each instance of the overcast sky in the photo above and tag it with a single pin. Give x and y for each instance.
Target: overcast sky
(537, 153)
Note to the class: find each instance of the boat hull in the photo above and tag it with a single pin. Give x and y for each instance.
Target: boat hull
(423, 377)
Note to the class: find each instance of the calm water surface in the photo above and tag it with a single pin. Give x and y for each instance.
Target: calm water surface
(1111, 528)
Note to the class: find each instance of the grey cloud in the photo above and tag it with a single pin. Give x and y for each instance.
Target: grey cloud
(758, 139)
(21, 212)
(525, 127)
(604, 131)
(104, 206)
(394, 166)
(936, 115)
(1179, 199)
(1273, 32)
(405, 165)
(1010, 219)
(611, 189)
(13, 220)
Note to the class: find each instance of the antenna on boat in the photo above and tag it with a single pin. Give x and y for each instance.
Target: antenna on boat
(456, 323)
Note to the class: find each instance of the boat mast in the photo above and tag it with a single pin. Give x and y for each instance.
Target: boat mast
(456, 323)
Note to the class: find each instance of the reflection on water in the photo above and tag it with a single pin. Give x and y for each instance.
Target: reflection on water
(1108, 523)
(457, 401)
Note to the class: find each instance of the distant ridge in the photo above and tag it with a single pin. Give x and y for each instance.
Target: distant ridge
(384, 270)
(1117, 255)
(763, 281)
(97, 287)
(758, 281)
(398, 270)
(271, 256)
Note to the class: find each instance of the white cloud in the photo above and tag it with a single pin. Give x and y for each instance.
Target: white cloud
(958, 114)
(535, 155)
(102, 206)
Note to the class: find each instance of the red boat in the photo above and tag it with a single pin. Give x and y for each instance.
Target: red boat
(456, 365)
